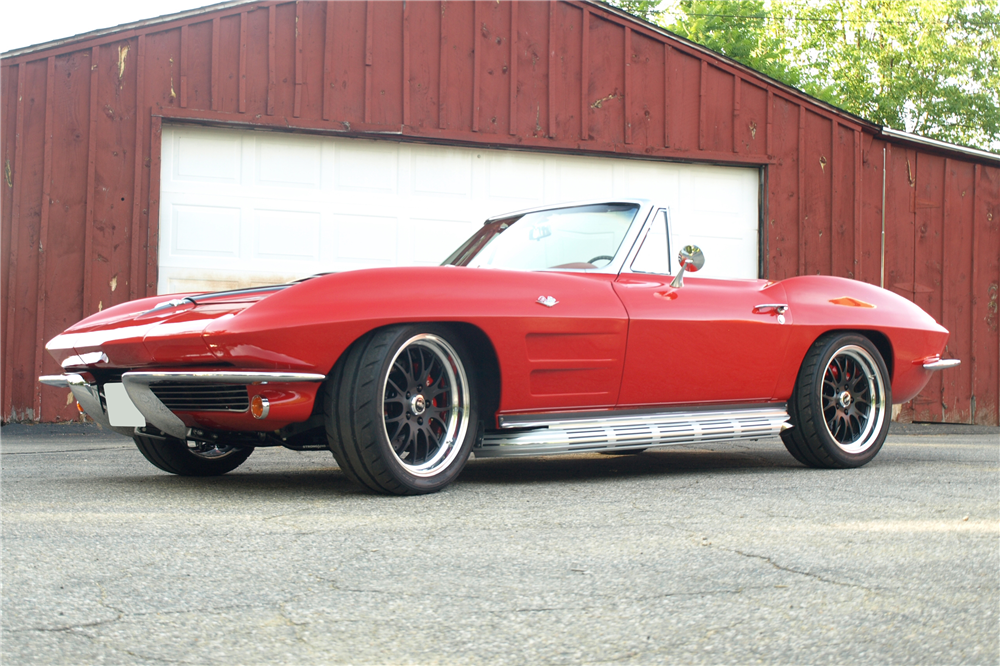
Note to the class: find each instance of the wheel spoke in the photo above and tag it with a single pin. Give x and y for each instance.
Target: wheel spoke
(421, 435)
(429, 442)
(433, 394)
(390, 381)
(420, 368)
(427, 378)
(857, 425)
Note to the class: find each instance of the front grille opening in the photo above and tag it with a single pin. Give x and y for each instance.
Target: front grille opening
(202, 397)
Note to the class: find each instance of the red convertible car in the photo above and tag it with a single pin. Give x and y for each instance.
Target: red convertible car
(553, 330)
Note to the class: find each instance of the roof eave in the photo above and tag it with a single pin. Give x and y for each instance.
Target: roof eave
(93, 34)
(896, 135)
(735, 64)
(886, 132)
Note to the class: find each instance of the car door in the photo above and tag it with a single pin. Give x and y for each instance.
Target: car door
(708, 341)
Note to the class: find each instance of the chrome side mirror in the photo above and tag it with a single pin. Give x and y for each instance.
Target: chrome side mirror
(691, 259)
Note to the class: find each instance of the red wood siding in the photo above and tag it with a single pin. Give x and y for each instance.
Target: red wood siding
(81, 126)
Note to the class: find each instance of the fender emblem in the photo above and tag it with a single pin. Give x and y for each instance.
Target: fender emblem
(547, 301)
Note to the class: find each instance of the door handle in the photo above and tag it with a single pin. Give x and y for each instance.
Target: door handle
(780, 308)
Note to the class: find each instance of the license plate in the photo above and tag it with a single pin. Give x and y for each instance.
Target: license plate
(121, 411)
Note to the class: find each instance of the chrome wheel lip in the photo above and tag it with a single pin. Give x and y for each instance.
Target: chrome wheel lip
(450, 443)
(875, 387)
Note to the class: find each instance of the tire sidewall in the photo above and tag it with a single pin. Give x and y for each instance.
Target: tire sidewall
(172, 455)
(830, 445)
(420, 484)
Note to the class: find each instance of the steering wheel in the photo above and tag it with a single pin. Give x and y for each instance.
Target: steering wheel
(601, 256)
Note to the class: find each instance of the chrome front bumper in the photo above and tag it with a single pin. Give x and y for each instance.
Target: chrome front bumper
(152, 409)
(87, 396)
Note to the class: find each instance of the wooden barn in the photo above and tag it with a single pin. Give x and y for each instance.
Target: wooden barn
(253, 142)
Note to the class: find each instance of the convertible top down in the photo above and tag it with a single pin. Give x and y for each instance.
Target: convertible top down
(554, 330)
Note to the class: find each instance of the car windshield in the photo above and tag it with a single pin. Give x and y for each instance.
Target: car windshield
(576, 238)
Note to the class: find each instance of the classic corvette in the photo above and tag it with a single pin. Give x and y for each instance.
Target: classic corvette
(553, 330)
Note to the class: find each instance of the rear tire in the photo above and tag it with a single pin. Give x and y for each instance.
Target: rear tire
(841, 405)
(173, 455)
(401, 410)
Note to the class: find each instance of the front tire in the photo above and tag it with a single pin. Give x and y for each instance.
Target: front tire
(175, 456)
(841, 404)
(401, 410)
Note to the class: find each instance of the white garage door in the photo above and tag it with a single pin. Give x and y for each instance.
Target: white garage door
(245, 208)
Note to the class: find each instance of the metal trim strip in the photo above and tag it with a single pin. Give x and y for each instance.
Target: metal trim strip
(220, 377)
(548, 419)
(636, 430)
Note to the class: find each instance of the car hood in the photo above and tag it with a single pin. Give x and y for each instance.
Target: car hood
(151, 330)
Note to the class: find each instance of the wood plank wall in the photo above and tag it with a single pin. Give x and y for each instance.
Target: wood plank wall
(81, 126)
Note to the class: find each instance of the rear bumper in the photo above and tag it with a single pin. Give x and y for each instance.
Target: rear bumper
(138, 387)
(941, 363)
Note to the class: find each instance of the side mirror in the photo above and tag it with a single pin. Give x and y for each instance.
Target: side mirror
(691, 259)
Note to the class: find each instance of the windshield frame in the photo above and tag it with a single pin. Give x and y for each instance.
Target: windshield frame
(639, 223)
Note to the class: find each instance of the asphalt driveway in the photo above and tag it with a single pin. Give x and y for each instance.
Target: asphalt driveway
(716, 554)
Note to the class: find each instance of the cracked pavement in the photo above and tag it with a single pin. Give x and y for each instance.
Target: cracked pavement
(715, 554)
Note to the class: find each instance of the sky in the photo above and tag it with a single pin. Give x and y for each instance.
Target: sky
(28, 22)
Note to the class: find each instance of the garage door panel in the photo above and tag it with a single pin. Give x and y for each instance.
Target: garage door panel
(366, 237)
(723, 192)
(201, 157)
(648, 181)
(283, 163)
(247, 208)
(514, 176)
(367, 166)
(583, 179)
(205, 231)
(441, 173)
(432, 241)
(287, 235)
(202, 283)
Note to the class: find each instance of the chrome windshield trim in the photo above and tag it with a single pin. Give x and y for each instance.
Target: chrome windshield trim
(567, 204)
(640, 238)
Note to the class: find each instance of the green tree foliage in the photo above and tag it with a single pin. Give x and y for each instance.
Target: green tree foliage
(740, 29)
(931, 67)
(647, 10)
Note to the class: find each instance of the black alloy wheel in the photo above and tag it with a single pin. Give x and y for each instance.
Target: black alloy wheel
(401, 410)
(841, 405)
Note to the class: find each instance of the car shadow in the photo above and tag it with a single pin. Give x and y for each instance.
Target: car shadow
(328, 481)
(314, 482)
(598, 467)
